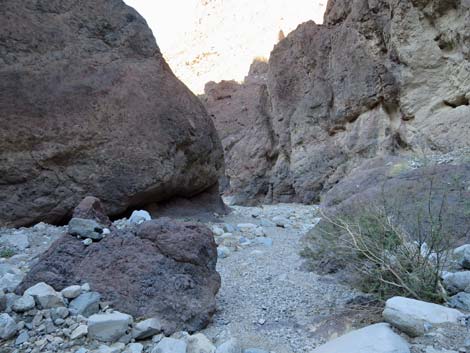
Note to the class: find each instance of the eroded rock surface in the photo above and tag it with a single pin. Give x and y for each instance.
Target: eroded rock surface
(89, 106)
(161, 269)
(378, 78)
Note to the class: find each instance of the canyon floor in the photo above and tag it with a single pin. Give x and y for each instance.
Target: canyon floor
(267, 300)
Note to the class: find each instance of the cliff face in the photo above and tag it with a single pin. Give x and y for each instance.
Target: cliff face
(378, 78)
(89, 106)
(211, 40)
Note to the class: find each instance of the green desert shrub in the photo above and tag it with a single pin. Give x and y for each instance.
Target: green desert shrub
(395, 246)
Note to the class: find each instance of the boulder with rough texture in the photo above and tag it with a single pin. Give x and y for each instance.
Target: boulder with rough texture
(71, 292)
(146, 328)
(460, 301)
(24, 303)
(85, 304)
(199, 343)
(415, 317)
(462, 255)
(378, 338)
(230, 346)
(457, 282)
(337, 94)
(8, 326)
(170, 345)
(85, 228)
(91, 208)
(92, 108)
(108, 327)
(44, 295)
(161, 269)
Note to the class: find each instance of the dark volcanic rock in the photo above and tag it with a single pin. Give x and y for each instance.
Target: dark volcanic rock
(89, 107)
(377, 78)
(91, 208)
(160, 269)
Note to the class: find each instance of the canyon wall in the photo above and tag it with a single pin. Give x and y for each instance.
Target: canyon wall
(378, 78)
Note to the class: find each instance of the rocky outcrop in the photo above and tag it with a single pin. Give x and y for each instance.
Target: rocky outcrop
(162, 269)
(378, 78)
(89, 106)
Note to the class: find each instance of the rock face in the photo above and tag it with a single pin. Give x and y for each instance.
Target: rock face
(162, 270)
(354, 88)
(89, 106)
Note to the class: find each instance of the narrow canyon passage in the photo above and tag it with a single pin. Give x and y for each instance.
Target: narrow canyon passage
(267, 300)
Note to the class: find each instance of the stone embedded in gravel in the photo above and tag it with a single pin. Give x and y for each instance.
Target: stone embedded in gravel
(457, 282)
(85, 228)
(246, 227)
(8, 326)
(223, 252)
(24, 303)
(230, 346)
(138, 217)
(378, 338)
(146, 328)
(199, 343)
(264, 241)
(170, 345)
(45, 296)
(71, 292)
(79, 332)
(59, 313)
(281, 221)
(254, 350)
(22, 338)
(228, 228)
(108, 327)
(462, 256)
(134, 348)
(85, 304)
(460, 301)
(414, 317)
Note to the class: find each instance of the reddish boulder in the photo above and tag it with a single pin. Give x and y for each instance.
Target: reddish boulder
(161, 268)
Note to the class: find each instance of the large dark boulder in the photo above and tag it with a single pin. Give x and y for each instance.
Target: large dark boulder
(161, 269)
(88, 106)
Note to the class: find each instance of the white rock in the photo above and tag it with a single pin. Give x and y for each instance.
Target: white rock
(87, 242)
(8, 326)
(24, 303)
(146, 328)
(108, 327)
(134, 348)
(223, 252)
(45, 296)
(457, 282)
(170, 345)
(139, 217)
(86, 287)
(106, 231)
(230, 346)
(79, 332)
(415, 317)
(199, 343)
(71, 292)
(217, 231)
(378, 338)
(259, 232)
(246, 227)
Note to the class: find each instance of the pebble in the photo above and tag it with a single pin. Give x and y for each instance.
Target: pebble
(139, 217)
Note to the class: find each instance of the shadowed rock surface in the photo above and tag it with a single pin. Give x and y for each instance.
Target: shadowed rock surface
(89, 106)
(161, 269)
(378, 78)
